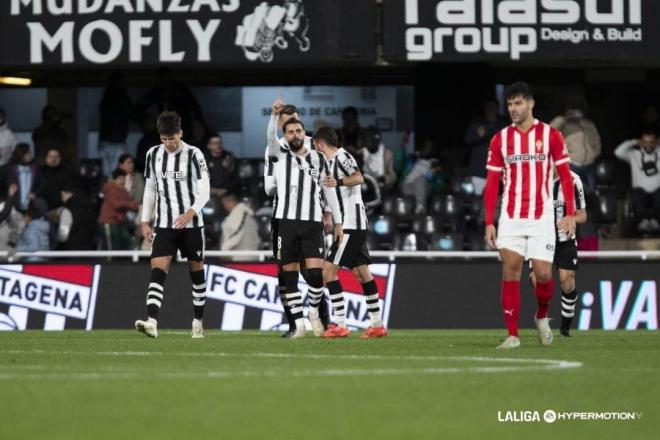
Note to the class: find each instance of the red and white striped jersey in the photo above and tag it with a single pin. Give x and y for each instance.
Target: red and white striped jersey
(526, 160)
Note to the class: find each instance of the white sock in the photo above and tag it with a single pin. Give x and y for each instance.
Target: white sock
(376, 321)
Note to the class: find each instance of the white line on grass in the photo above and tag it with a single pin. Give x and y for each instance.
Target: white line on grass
(516, 365)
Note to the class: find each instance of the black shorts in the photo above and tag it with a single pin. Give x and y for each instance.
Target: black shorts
(298, 240)
(190, 241)
(273, 235)
(352, 251)
(566, 255)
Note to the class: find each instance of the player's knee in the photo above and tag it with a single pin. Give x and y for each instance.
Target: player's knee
(567, 283)
(543, 276)
(511, 273)
(290, 281)
(197, 276)
(315, 277)
(158, 276)
(329, 272)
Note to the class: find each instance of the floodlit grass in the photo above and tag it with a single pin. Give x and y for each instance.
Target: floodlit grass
(253, 385)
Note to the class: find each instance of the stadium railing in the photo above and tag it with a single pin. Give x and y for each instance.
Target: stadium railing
(262, 256)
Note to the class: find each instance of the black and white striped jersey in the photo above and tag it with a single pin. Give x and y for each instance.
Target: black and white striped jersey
(560, 204)
(180, 181)
(342, 165)
(299, 181)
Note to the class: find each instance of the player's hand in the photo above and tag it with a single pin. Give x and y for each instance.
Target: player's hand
(327, 223)
(147, 232)
(276, 108)
(329, 182)
(567, 226)
(185, 218)
(491, 236)
(339, 233)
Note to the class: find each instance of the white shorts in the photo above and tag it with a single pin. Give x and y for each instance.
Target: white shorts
(533, 239)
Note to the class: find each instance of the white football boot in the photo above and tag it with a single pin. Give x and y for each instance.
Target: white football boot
(545, 334)
(197, 329)
(315, 321)
(148, 327)
(510, 342)
(300, 329)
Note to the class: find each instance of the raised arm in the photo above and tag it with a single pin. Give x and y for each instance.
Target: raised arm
(271, 132)
(624, 150)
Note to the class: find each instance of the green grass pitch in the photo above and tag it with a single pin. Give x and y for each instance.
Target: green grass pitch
(252, 385)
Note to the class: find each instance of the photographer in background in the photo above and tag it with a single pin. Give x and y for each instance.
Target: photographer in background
(644, 159)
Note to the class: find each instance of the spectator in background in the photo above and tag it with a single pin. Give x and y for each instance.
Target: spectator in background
(223, 171)
(649, 120)
(200, 134)
(35, 237)
(582, 140)
(643, 155)
(134, 181)
(54, 176)
(150, 137)
(116, 203)
(402, 158)
(349, 133)
(239, 230)
(477, 138)
(425, 176)
(7, 139)
(11, 221)
(50, 133)
(76, 229)
(22, 171)
(115, 113)
(378, 160)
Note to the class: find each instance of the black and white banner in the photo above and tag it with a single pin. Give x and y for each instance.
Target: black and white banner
(481, 30)
(48, 297)
(58, 33)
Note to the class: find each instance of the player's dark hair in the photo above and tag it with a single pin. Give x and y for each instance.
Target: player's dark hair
(350, 110)
(124, 157)
(168, 123)
(292, 121)
(289, 109)
(327, 135)
(518, 89)
(118, 172)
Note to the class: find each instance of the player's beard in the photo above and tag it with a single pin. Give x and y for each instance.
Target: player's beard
(296, 144)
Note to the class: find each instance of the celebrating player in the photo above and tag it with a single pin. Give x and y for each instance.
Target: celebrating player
(523, 154)
(177, 185)
(351, 252)
(299, 173)
(566, 252)
(270, 185)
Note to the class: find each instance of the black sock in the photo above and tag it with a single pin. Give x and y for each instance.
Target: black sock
(337, 298)
(198, 293)
(568, 302)
(314, 287)
(281, 290)
(155, 292)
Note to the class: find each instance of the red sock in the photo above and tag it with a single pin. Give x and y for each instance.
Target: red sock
(543, 295)
(511, 305)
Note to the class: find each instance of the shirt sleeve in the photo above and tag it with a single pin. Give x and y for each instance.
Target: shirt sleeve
(580, 200)
(558, 150)
(495, 160)
(199, 163)
(347, 164)
(270, 184)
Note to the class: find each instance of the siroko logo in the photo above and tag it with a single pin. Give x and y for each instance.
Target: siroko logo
(514, 27)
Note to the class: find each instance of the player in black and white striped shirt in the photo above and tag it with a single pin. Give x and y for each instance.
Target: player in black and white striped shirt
(566, 252)
(289, 111)
(351, 251)
(176, 189)
(299, 173)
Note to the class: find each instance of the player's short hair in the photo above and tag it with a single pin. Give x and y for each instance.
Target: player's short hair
(289, 109)
(124, 157)
(350, 110)
(518, 89)
(327, 135)
(292, 121)
(118, 172)
(168, 123)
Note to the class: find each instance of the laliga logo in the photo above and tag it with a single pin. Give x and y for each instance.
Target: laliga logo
(507, 26)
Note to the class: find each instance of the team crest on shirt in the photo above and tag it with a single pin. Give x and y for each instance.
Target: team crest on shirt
(539, 146)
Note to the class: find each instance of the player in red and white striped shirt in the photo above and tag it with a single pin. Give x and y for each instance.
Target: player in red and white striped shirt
(521, 156)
